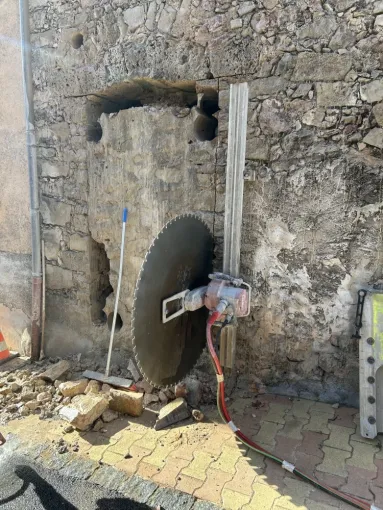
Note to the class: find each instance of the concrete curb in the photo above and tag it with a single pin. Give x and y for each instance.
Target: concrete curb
(136, 488)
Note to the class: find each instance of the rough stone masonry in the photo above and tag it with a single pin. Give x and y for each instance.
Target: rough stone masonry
(127, 97)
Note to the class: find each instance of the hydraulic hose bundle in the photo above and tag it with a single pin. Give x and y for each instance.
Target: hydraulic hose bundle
(358, 503)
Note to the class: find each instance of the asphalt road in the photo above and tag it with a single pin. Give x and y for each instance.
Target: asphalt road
(26, 485)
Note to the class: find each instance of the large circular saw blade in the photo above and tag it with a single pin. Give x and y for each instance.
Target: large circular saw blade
(179, 258)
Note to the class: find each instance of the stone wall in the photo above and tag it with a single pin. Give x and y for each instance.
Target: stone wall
(312, 217)
(15, 244)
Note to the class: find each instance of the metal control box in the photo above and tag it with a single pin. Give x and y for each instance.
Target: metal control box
(371, 366)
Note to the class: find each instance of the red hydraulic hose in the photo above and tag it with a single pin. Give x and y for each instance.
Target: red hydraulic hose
(356, 502)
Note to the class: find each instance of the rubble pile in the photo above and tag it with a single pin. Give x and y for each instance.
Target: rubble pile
(55, 388)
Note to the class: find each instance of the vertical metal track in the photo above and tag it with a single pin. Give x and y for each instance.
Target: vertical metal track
(235, 168)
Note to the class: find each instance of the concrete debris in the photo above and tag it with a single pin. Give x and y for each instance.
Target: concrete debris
(109, 416)
(56, 371)
(73, 388)
(132, 368)
(126, 402)
(105, 389)
(68, 429)
(173, 412)
(15, 387)
(44, 397)
(98, 426)
(84, 410)
(144, 386)
(150, 399)
(163, 397)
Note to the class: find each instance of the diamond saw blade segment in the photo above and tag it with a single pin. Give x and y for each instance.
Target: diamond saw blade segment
(179, 258)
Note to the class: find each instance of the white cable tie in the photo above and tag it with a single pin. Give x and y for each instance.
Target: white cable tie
(232, 426)
(288, 466)
(220, 378)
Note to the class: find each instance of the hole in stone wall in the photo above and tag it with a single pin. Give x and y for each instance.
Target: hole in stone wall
(141, 92)
(94, 132)
(100, 287)
(77, 40)
(119, 322)
(209, 102)
(205, 125)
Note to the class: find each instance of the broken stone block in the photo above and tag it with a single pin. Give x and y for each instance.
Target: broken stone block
(73, 388)
(98, 426)
(32, 405)
(56, 371)
(134, 371)
(150, 399)
(44, 397)
(84, 410)
(144, 386)
(25, 397)
(15, 387)
(126, 402)
(105, 389)
(93, 387)
(163, 398)
(172, 413)
(109, 416)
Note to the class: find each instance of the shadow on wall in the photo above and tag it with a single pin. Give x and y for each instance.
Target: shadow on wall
(141, 92)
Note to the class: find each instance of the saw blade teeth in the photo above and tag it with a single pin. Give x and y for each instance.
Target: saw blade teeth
(135, 303)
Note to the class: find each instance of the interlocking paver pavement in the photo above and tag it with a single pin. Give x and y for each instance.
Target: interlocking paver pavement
(204, 460)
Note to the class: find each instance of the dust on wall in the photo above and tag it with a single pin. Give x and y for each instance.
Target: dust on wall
(312, 217)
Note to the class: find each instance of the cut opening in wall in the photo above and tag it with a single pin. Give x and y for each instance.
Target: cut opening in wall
(142, 92)
(205, 125)
(100, 287)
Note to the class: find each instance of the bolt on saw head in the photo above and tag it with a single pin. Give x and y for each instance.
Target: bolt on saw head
(174, 292)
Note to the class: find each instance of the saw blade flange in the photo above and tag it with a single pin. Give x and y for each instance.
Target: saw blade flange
(179, 258)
